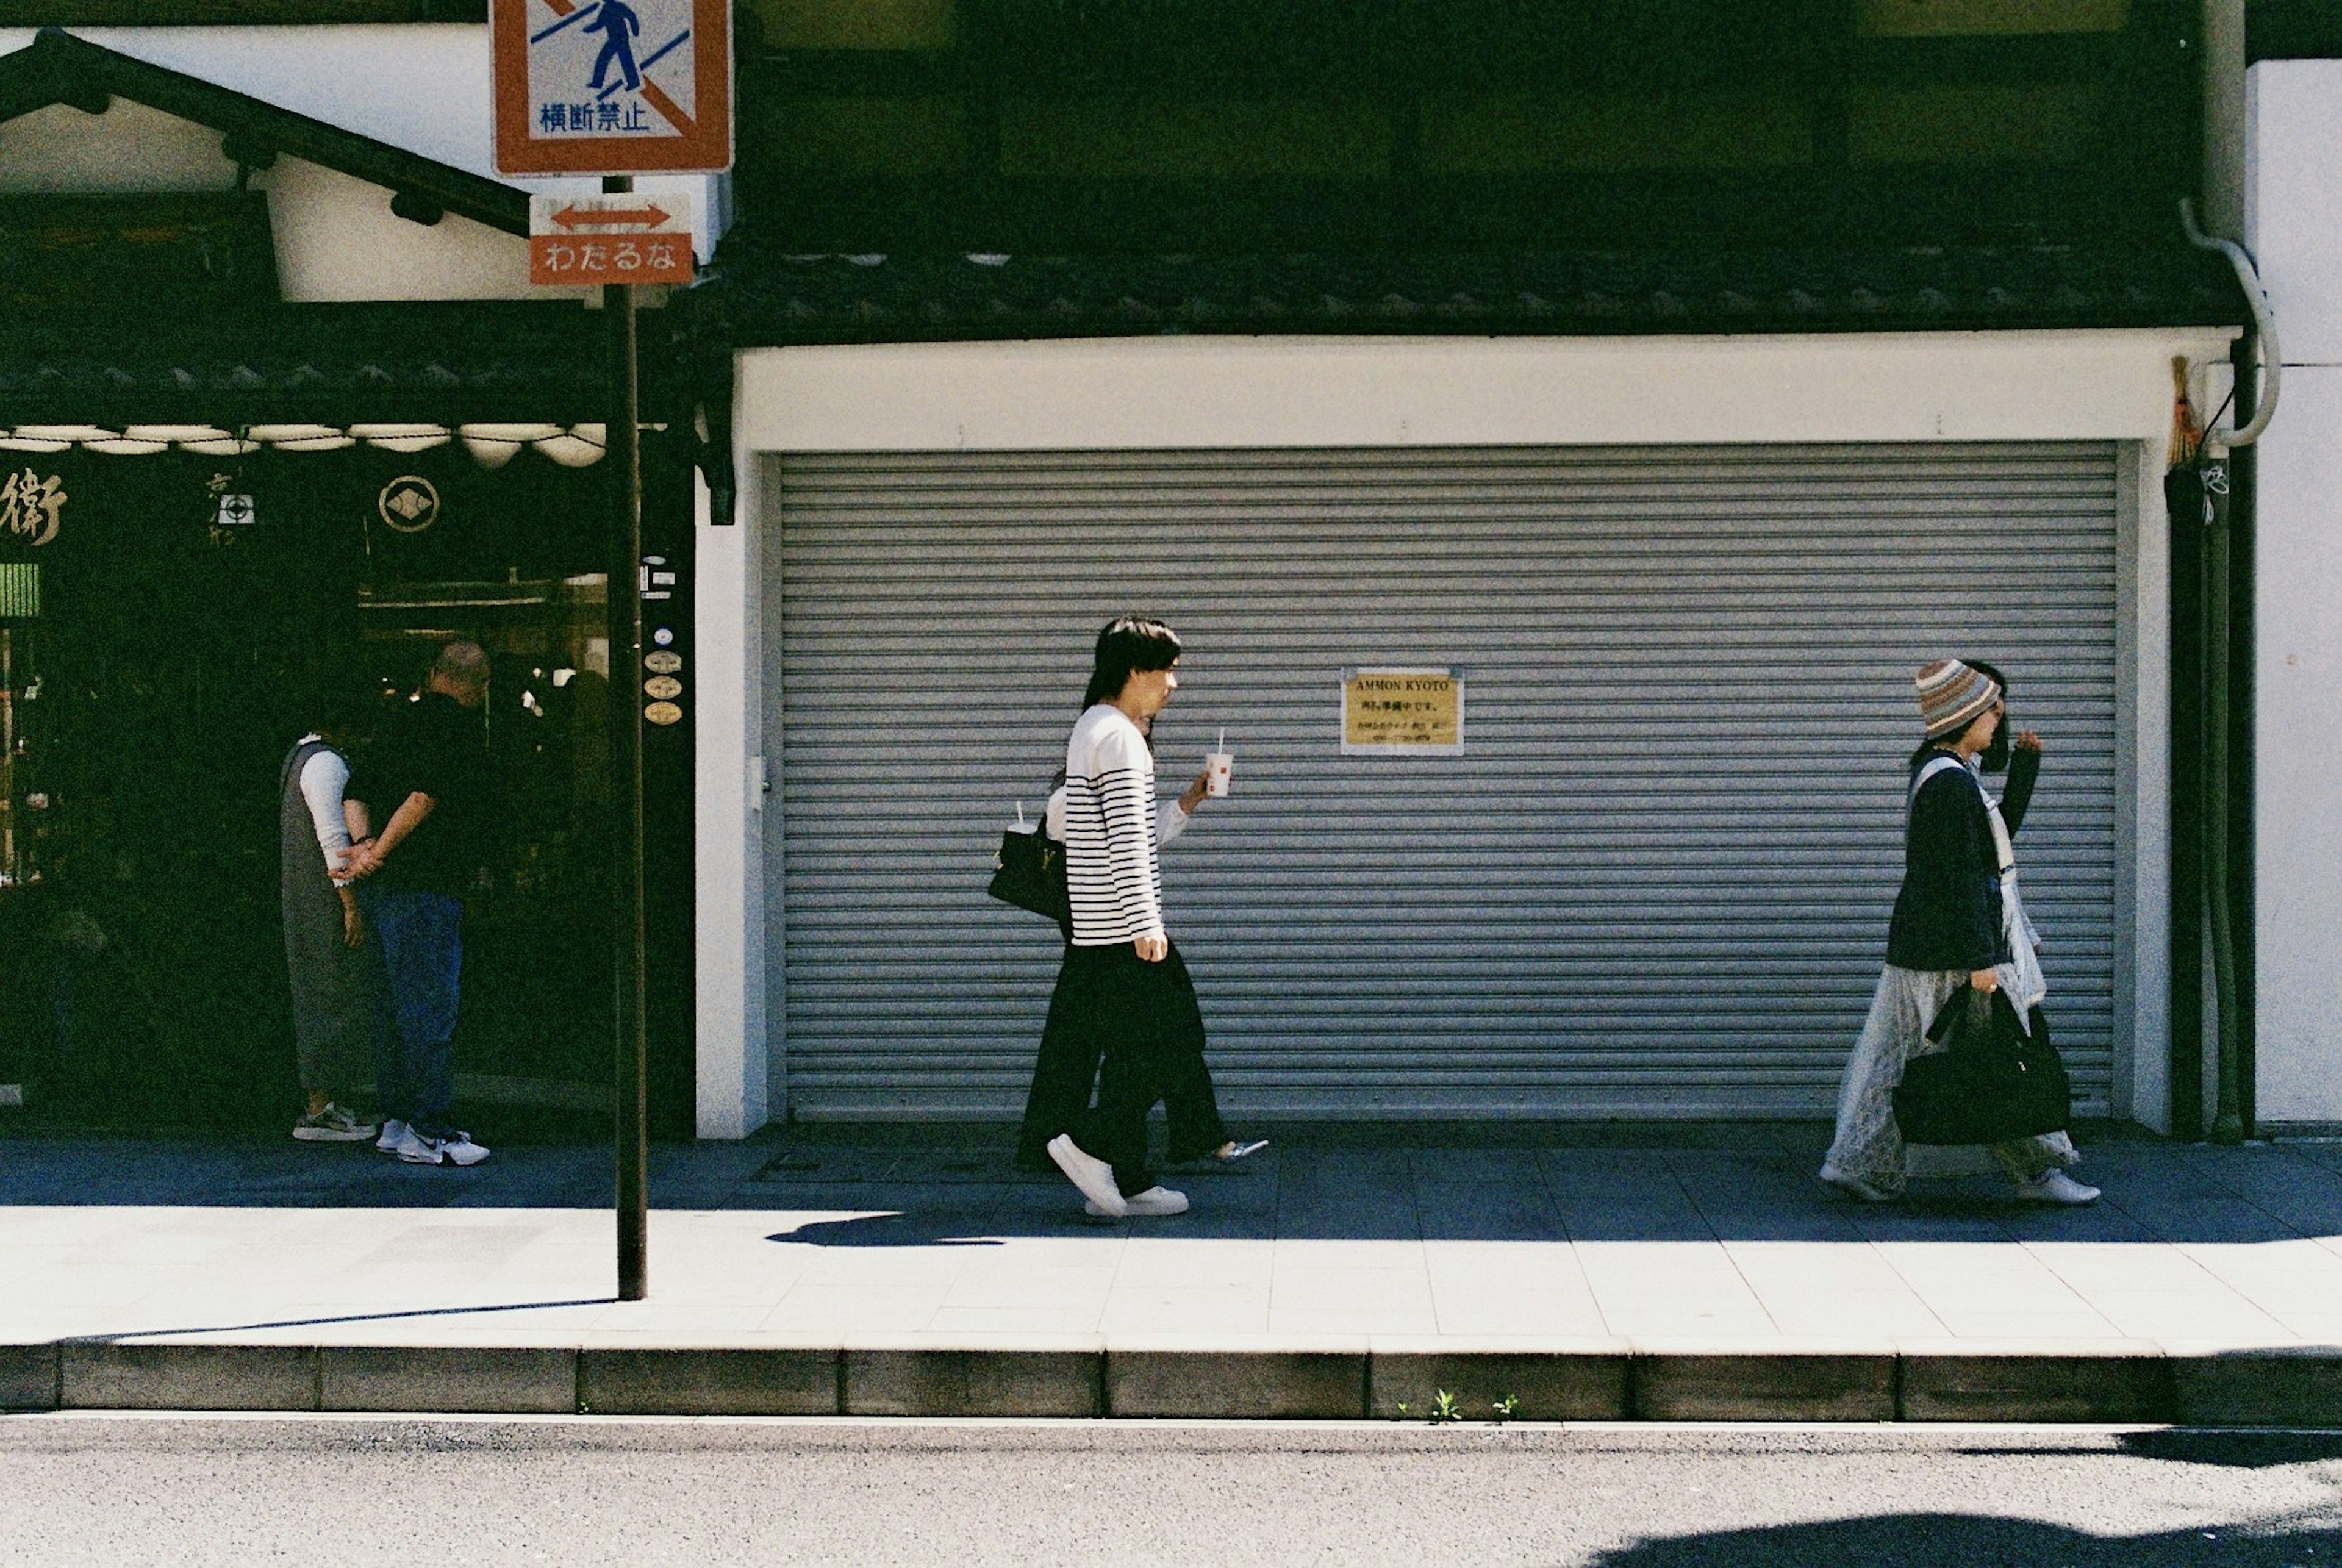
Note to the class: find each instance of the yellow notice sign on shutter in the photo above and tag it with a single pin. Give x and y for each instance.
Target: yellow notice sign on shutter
(1402, 712)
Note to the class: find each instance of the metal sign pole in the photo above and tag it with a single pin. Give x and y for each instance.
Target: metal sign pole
(669, 111)
(625, 635)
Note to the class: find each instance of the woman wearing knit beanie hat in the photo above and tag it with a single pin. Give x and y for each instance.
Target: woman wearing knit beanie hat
(1958, 921)
(1952, 696)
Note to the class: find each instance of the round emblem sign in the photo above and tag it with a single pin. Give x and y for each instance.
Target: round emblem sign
(664, 687)
(663, 713)
(409, 503)
(662, 661)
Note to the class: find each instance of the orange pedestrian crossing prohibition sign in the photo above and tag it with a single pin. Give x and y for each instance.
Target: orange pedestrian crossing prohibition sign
(612, 86)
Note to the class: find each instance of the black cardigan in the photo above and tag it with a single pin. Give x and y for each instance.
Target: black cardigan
(1948, 914)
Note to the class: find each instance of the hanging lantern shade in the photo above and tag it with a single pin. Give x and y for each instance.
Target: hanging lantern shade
(302, 437)
(193, 437)
(574, 448)
(512, 432)
(489, 453)
(64, 435)
(401, 437)
(494, 446)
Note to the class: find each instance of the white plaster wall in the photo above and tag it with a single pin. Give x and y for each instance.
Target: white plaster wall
(129, 149)
(1199, 391)
(1203, 392)
(2293, 209)
(728, 637)
(2294, 218)
(2298, 798)
(337, 239)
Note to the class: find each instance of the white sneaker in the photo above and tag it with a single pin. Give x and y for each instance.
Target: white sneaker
(2055, 1187)
(393, 1132)
(460, 1148)
(1854, 1184)
(418, 1150)
(1094, 1177)
(1153, 1204)
(331, 1125)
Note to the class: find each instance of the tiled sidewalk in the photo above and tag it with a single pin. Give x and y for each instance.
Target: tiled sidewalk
(1544, 1236)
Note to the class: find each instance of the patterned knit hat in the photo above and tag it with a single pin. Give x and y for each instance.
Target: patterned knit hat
(1951, 695)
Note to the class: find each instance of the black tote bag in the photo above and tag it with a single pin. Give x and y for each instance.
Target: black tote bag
(1991, 1081)
(1029, 871)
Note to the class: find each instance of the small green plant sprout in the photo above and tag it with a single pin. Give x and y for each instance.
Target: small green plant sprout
(1445, 1408)
(1505, 1409)
(1405, 1410)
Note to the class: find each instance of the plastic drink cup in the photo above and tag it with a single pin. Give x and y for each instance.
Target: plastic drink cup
(1217, 766)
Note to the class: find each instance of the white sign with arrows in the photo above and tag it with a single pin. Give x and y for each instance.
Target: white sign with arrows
(642, 237)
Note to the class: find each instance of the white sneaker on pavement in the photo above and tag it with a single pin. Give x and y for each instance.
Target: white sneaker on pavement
(1854, 1184)
(2055, 1187)
(418, 1150)
(331, 1125)
(1153, 1204)
(393, 1132)
(460, 1148)
(1094, 1177)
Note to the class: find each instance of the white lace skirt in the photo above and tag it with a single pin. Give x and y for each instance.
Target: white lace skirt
(1868, 1144)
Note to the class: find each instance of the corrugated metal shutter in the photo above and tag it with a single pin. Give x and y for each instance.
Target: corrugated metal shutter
(1656, 882)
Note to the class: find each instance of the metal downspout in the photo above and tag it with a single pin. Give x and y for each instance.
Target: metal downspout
(2256, 404)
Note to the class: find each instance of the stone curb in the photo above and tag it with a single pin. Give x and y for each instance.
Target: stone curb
(2123, 1381)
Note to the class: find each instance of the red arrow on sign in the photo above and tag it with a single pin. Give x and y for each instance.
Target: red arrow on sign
(580, 217)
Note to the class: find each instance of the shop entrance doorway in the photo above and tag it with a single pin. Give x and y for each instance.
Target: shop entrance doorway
(191, 616)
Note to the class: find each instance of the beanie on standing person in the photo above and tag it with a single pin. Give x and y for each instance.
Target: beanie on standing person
(1951, 696)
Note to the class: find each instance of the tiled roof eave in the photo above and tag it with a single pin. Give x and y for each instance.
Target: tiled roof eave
(753, 299)
(435, 362)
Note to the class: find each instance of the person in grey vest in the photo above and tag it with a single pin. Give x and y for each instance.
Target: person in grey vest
(333, 1009)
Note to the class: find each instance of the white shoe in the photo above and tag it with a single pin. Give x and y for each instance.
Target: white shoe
(393, 1132)
(1233, 1152)
(331, 1125)
(2055, 1187)
(417, 1150)
(1854, 1184)
(1094, 1177)
(460, 1148)
(1153, 1204)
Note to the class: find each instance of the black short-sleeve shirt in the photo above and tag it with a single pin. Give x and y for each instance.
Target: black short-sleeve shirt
(436, 746)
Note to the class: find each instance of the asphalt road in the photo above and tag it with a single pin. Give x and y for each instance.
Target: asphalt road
(192, 1490)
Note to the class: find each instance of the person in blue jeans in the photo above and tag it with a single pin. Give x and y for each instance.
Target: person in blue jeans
(426, 779)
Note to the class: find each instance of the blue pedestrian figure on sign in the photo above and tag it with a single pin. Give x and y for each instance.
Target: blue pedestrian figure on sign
(617, 21)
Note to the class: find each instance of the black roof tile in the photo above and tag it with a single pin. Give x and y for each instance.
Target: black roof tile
(753, 296)
(435, 362)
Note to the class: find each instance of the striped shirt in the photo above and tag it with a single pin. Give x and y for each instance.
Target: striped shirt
(1111, 874)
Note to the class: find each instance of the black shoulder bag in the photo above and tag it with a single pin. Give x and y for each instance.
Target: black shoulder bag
(1992, 1081)
(1029, 871)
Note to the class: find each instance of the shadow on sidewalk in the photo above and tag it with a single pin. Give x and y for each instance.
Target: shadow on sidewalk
(141, 1337)
(1965, 1541)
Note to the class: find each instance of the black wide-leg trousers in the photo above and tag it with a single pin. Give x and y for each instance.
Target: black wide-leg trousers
(1136, 1030)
